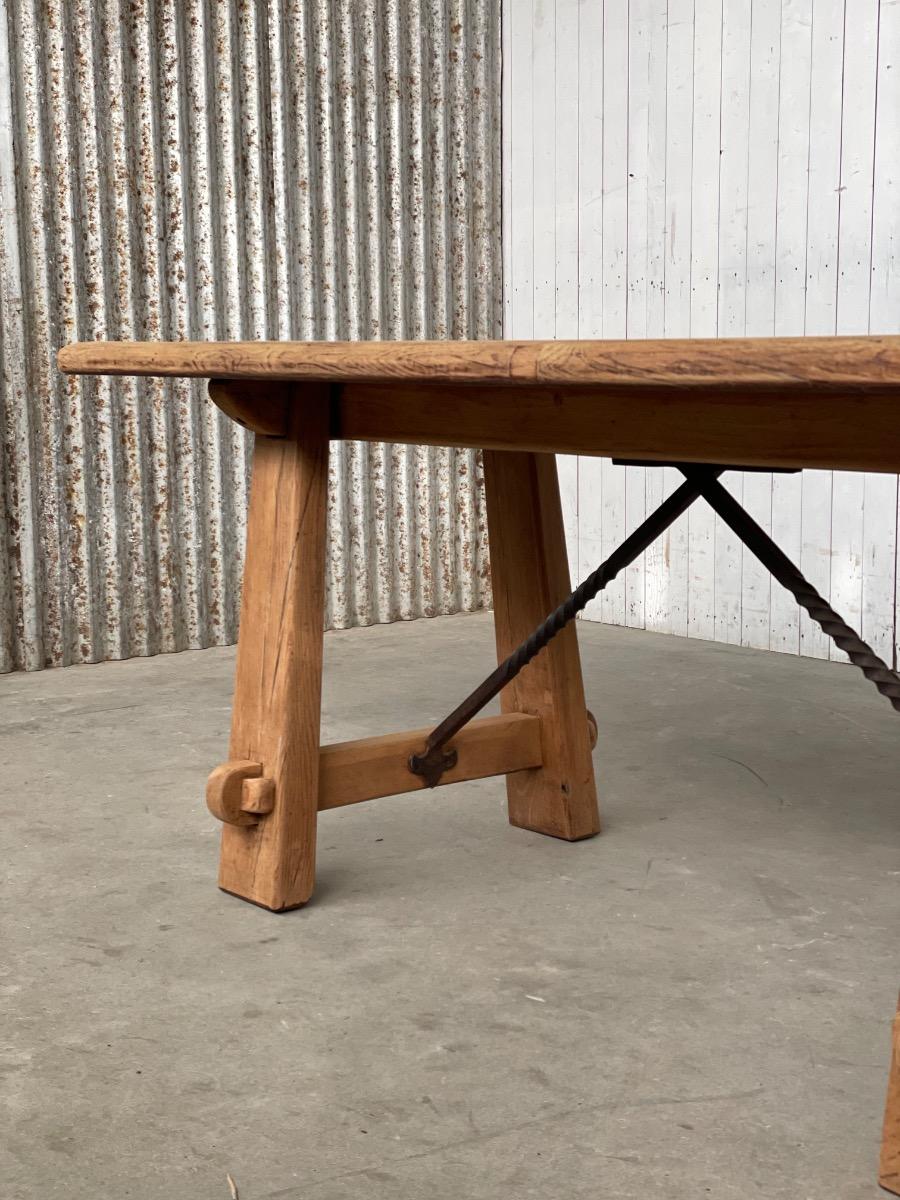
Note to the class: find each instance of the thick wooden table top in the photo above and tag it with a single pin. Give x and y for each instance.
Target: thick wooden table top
(765, 402)
(734, 363)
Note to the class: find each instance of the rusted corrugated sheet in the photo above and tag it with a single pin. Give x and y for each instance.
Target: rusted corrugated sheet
(206, 168)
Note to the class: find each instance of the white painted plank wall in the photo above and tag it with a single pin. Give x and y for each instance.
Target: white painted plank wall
(711, 168)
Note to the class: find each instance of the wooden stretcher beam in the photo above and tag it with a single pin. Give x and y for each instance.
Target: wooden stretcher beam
(350, 772)
(377, 766)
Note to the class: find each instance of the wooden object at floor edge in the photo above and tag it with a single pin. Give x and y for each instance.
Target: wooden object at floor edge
(889, 1165)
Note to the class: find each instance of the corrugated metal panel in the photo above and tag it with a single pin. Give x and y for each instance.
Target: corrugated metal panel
(206, 168)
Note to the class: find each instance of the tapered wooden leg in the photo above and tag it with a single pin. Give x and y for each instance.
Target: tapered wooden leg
(889, 1167)
(530, 575)
(277, 698)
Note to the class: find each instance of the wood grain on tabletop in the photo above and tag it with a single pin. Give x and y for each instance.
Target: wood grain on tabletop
(728, 362)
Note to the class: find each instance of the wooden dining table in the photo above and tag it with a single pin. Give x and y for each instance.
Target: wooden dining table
(772, 403)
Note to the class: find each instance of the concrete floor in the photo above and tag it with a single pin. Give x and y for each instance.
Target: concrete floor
(695, 1004)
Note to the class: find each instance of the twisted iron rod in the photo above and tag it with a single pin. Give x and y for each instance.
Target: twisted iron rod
(781, 567)
(699, 481)
(434, 759)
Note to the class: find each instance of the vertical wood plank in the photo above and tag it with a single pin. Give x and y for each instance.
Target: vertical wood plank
(728, 625)
(848, 548)
(566, 147)
(879, 563)
(656, 593)
(790, 280)
(733, 170)
(880, 530)
(793, 167)
(756, 582)
(635, 512)
(677, 268)
(707, 52)
(612, 534)
(569, 470)
(762, 168)
(590, 526)
(675, 550)
(824, 175)
(656, 169)
(640, 13)
(530, 577)
(857, 166)
(609, 520)
(847, 500)
(815, 553)
(278, 681)
(824, 180)
(639, 20)
(565, 40)
(732, 317)
(544, 132)
(589, 117)
(884, 297)
(656, 576)
(762, 188)
(678, 167)
(784, 612)
(521, 82)
(615, 167)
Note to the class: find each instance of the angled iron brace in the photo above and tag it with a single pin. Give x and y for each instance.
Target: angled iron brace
(700, 480)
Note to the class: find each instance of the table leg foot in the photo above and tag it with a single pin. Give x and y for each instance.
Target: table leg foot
(269, 839)
(530, 575)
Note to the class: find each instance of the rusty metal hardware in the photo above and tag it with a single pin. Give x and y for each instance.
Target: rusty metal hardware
(700, 480)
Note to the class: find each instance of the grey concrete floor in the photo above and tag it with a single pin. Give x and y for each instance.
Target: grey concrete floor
(696, 1003)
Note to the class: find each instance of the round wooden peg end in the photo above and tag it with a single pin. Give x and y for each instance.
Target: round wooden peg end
(225, 791)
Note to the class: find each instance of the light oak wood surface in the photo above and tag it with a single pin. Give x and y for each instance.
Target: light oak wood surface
(264, 408)
(788, 402)
(530, 577)
(831, 403)
(889, 1165)
(792, 363)
(856, 429)
(225, 791)
(378, 766)
(364, 769)
(278, 681)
